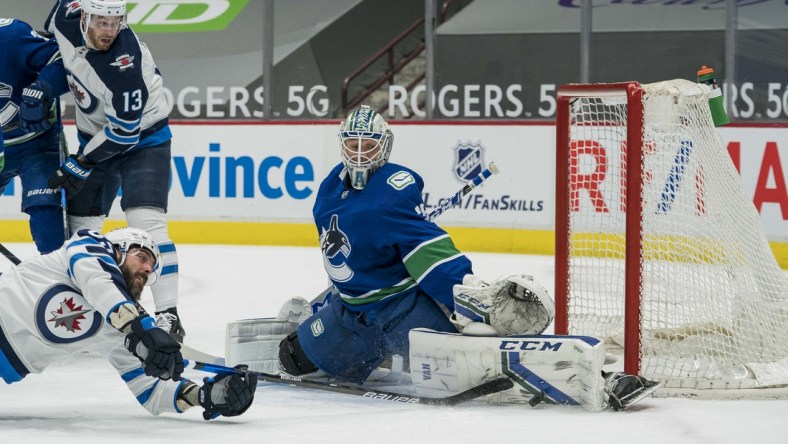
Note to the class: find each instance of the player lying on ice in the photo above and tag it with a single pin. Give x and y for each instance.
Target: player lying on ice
(401, 287)
(84, 297)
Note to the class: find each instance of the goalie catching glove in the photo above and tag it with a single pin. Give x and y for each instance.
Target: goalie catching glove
(511, 305)
(221, 395)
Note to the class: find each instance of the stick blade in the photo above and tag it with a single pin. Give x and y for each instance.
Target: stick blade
(487, 388)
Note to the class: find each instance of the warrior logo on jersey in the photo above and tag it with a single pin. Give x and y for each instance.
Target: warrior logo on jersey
(63, 316)
(336, 248)
(468, 160)
(123, 62)
(84, 99)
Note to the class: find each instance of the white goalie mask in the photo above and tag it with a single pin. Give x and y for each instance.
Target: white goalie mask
(366, 141)
(102, 20)
(125, 239)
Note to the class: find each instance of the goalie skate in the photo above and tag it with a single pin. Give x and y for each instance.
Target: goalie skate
(627, 390)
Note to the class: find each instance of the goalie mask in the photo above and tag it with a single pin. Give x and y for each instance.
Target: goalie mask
(126, 239)
(101, 22)
(366, 142)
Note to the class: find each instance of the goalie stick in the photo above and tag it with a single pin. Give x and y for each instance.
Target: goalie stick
(322, 299)
(487, 388)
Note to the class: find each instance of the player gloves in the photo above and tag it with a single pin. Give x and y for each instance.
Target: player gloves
(34, 110)
(71, 175)
(159, 352)
(228, 395)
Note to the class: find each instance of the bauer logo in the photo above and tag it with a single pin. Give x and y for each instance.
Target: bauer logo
(317, 328)
(183, 15)
(468, 160)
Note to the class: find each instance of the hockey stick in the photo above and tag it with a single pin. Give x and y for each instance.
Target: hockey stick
(323, 298)
(63, 149)
(10, 256)
(489, 387)
(454, 200)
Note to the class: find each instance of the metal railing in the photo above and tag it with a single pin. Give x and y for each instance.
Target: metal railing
(393, 67)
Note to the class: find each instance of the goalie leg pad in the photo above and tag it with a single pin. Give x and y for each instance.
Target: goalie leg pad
(553, 369)
(255, 342)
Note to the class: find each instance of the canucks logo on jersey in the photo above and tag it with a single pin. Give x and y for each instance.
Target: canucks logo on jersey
(336, 248)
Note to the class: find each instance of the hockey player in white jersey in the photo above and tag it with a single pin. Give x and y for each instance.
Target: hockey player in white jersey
(402, 287)
(84, 297)
(123, 131)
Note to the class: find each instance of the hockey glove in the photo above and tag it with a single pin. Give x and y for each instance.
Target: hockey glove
(35, 107)
(71, 175)
(169, 321)
(511, 305)
(228, 395)
(159, 352)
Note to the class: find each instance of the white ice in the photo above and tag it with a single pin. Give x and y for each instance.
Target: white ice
(85, 401)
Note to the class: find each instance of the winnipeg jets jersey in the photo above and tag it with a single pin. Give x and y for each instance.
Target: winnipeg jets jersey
(118, 93)
(57, 305)
(378, 244)
(33, 56)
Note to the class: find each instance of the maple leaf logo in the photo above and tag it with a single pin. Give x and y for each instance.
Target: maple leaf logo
(68, 315)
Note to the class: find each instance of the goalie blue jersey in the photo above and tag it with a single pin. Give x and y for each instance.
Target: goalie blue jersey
(378, 244)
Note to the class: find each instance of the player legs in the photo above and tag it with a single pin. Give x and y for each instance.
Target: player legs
(350, 345)
(145, 177)
(34, 161)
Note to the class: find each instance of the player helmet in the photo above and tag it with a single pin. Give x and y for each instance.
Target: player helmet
(366, 141)
(125, 239)
(100, 13)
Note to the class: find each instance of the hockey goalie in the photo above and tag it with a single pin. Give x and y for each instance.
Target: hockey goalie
(401, 291)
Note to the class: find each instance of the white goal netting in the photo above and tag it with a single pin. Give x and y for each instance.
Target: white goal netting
(713, 302)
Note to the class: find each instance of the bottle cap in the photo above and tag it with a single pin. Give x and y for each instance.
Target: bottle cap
(705, 70)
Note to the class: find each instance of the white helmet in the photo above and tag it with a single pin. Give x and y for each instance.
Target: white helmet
(104, 8)
(127, 238)
(362, 161)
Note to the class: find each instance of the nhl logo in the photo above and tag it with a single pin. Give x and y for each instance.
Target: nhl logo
(468, 160)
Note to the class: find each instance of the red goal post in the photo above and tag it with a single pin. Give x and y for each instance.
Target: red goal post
(672, 265)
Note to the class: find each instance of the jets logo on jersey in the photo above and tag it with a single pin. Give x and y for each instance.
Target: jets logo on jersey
(123, 62)
(336, 248)
(64, 316)
(84, 99)
(72, 7)
(468, 161)
(68, 315)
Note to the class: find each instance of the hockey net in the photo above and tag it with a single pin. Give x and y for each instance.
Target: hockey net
(658, 248)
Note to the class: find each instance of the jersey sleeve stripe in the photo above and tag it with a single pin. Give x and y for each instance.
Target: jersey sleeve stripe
(128, 125)
(143, 397)
(132, 140)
